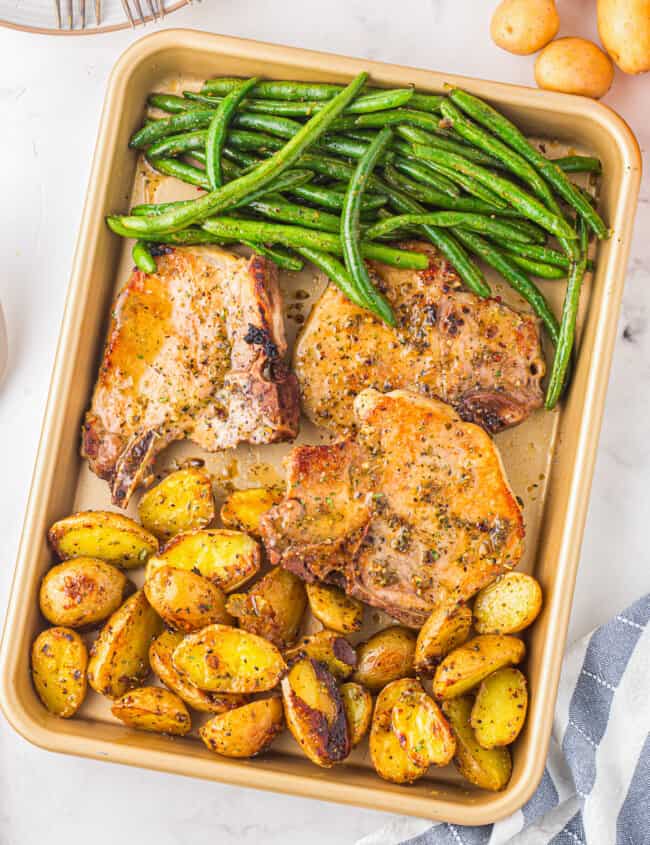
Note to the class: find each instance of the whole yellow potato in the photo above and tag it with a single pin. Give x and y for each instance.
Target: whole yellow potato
(574, 66)
(524, 26)
(624, 29)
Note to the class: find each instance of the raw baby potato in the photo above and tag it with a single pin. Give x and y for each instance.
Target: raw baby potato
(390, 760)
(120, 655)
(82, 592)
(422, 730)
(227, 558)
(334, 609)
(499, 711)
(574, 66)
(272, 608)
(385, 657)
(59, 660)
(443, 631)
(245, 731)
(108, 536)
(186, 601)
(315, 714)
(624, 29)
(468, 665)
(224, 659)
(330, 648)
(487, 768)
(182, 501)
(507, 605)
(357, 703)
(160, 658)
(524, 26)
(243, 509)
(153, 709)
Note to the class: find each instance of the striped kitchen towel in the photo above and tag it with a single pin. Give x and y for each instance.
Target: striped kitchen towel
(596, 784)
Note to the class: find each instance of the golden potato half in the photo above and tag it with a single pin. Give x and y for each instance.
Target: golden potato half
(59, 661)
(153, 709)
(385, 657)
(245, 731)
(108, 536)
(181, 502)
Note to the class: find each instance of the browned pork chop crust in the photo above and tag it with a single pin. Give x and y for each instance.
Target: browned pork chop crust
(413, 512)
(477, 354)
(194, 351)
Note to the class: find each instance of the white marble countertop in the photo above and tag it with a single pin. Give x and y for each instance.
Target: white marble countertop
(51, 91)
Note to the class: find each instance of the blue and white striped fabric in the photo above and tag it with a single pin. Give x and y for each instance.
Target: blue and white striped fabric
(596, 784)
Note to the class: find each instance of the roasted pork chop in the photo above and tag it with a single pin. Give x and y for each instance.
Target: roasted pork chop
(193, 351)
(412, 512)
(477, 354)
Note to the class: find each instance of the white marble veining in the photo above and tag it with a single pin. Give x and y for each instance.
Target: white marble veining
(51, 91)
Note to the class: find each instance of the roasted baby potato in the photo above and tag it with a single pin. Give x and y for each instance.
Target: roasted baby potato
(385, 657)
(499, 711)
(489, 769)
(272, 608)
(224, 659)
(466, 666)
(227, 558)
(315, 714)
(422, 730)
(108, 536)
(160, 658)
(330, 648)
(390, 760)
(153, 709)
(357, 703)
(59, 660)
(245, 731)
(443, 631)
(119, 657)
(181, 502)
(507, 605)
(186, 601)
(334, 609)
(82, 592)
(243, 509)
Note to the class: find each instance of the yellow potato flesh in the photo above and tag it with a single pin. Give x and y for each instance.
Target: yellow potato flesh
(59, 660)
(390, 760)
(508, 605)
(153, 709)
(357, 703)
(329, 648)
(334, 609)
(181, 502)
(245, 731)
(499, 712)
(443, 631)
(243, 509)
(108, 536)
(186, 601)
(466, 666)
(422, 730)
(489, 769)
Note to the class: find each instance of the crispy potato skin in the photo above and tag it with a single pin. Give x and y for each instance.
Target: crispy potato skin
(444, 630)
(468, 665)
(422, 730)
(314, 712)
(357, 703)
(273, 608)
(334, 609)
(524, 26)
(489, 769)
(181, 502)
(390, 760)
(224, 659)
(329, 648)
(508, 605)
(245, 731)
(82, 592)
(186, 601)
(59, 661)
(120, 655)
(385, 657)
(624, 29)
(153, 709)
(108, 536)
(499, 711)
(574, 66)
(244, 509)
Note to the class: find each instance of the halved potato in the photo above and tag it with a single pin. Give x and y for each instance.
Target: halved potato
(59, 661)
(82, 592)
(385, 657)
(120, 655)
(443, 631)
(185, 600)
(330, 648)
(245, 731)
(227, 558)
(314, 711)
(334, 609)
(499, 712)
(182, 501)
(466, 666)
(422, 730)
(357, 703)
(489, 769)
(390, 760)
(160, 658)
(153, 709)
(507, 605)
(108, 536)
(224, 659)
(243, 509)
(272, 608)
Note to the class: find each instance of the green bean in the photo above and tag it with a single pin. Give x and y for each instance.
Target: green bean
(216, 135)
(277, 209)
(377, 101)
(185, 122)
(448, 219)
(171, 103)
(508, 132)
(142, 258)
(469, 183)
(514, 276)
(543, 254)
(535, 268)
(333, 200)
(534, 234)
(285, 260)
(335, 271)
(399, 116)
(180, 170)
(426, 176)
(579, 164)
(174, 145)
(275, 90)
(415, 135)
(187, 237)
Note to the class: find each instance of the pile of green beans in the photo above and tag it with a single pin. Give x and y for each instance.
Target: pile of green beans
(327, 173)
